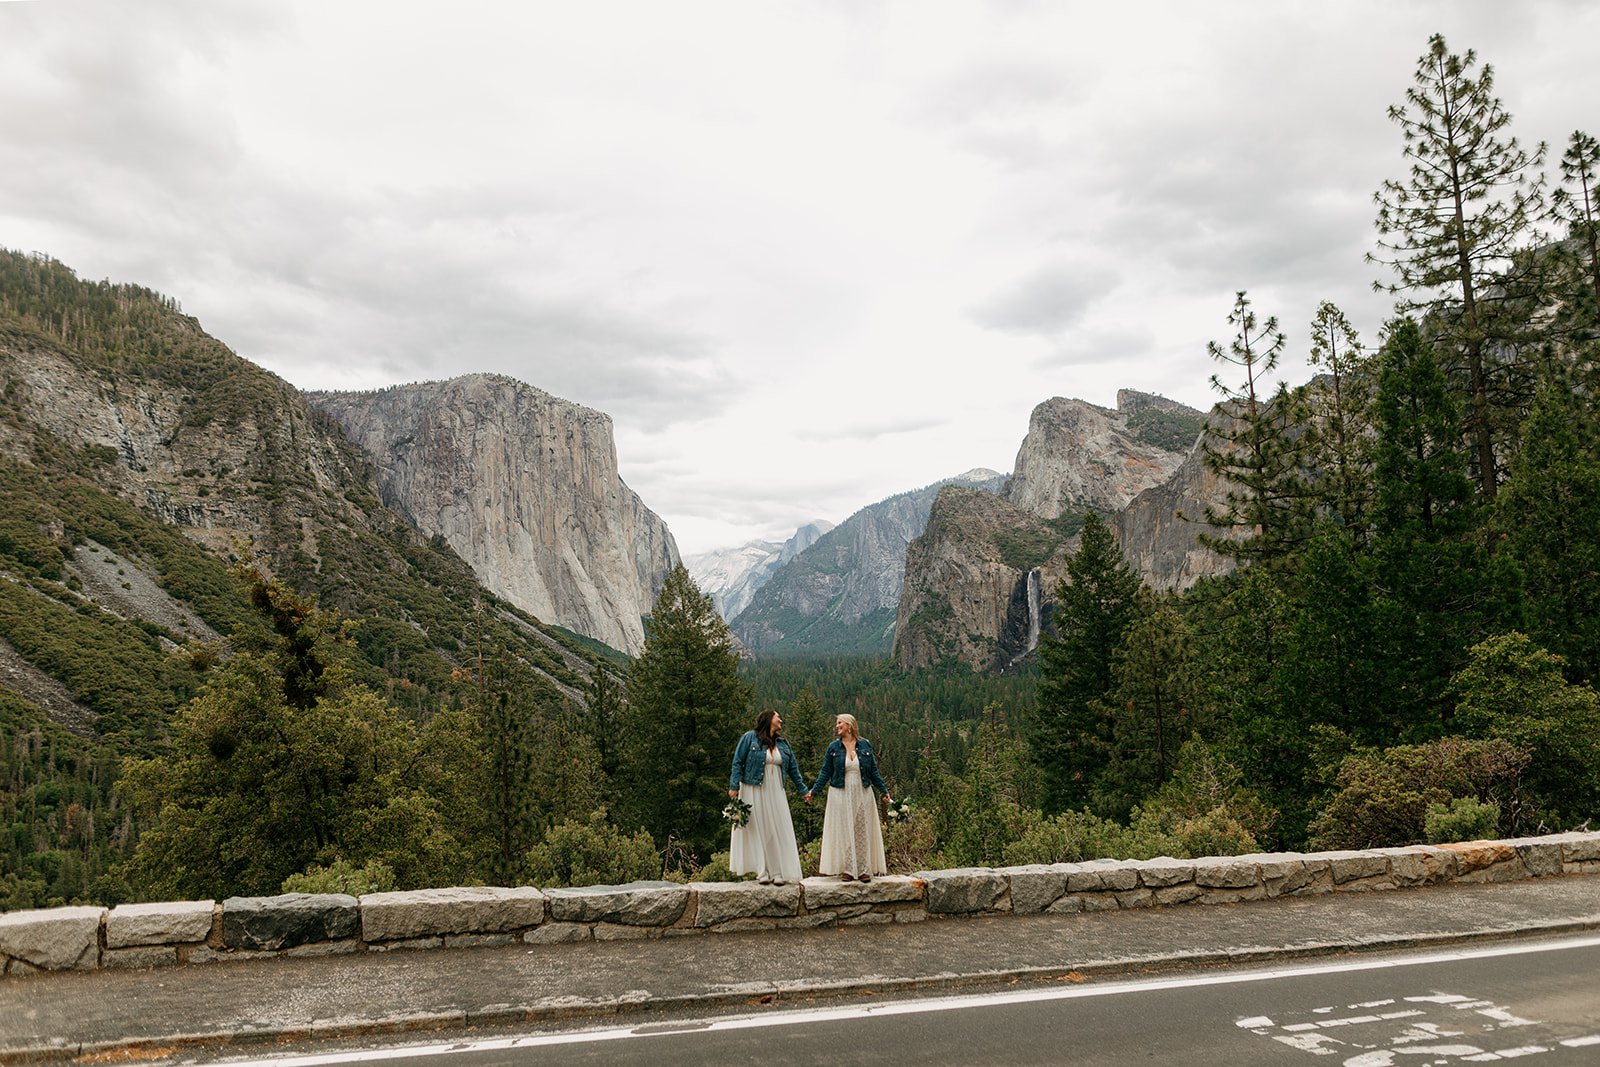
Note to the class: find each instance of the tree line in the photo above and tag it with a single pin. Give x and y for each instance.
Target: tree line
(1406, 649)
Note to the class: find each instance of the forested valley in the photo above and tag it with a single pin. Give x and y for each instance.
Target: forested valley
(1407, 649)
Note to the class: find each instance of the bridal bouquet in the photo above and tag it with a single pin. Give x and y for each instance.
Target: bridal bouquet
(901, 811)
(736, 812)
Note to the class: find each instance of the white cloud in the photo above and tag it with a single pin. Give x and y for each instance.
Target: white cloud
(805, 256)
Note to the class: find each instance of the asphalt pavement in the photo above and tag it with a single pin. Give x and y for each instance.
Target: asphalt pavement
(143, 1013)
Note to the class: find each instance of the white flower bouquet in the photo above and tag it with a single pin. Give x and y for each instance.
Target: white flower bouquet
(736, 812)
(900, 811)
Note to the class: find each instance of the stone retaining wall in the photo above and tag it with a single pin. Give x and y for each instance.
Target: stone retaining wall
(299, 924)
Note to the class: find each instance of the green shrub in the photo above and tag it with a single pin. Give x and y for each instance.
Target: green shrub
(1466, 819)
(718, 869)
(1383, 796)
(342, 877)
(591, 853)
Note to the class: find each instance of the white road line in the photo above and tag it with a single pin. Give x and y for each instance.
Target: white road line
(803, 1016)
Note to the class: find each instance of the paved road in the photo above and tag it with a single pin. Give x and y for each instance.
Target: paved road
(1535, 1001)
(455, 991)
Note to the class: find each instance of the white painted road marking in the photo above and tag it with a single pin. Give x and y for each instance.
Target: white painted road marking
(1373, 1041)
(954, 1003)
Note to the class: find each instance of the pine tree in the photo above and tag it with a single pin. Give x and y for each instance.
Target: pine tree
(1577, 202)
(1341, 449)
(1332, 672)
(687, 708)
(1095, 605)
(1152, 708)
(1453, 229)
(1549, 517)
(603, 720)
(1256, 447)
(1435, 586)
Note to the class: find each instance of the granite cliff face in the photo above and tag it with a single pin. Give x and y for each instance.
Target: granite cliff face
(1077, 456)
(841, 594)
(1159, 531)
(524, 487)
(975, 583)
(979, 583)
(731, 576)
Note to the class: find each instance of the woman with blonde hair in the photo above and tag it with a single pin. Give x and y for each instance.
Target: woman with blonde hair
(852, 839)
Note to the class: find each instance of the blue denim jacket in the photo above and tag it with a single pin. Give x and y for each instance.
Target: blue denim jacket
(750, 763)
(833, 767)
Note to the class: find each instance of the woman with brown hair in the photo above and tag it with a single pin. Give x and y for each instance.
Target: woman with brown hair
(852, 839)
(764, 845)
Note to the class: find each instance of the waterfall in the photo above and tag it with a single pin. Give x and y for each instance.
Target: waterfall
(1030, 585)
(1033, 610)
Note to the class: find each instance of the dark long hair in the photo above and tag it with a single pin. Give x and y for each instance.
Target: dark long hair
(764, 732)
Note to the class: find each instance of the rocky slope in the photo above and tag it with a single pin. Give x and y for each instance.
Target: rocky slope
(975, 583)
(840, 595)
(524, 487)
(1159, 531)
(969, 580)
(731, 576)
(136, 455)
(1077, 456)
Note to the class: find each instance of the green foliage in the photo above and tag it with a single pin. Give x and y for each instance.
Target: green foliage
(1547, 516)
(1024, 548)
(1339, 449)
(1206, 806)
(1383, 796)
(1513, 691)
(1075, 836)
(63, 828)
(1256, 447)
(1175, 431)
(977, 816)
(259, 786)
(1463, 819)
(1452, 231)
(116, 669)
(687, 708)
(719, 869)
(342, 877)
(1095, 606)
(1155, 704)
(1439, 589)
(591, 852)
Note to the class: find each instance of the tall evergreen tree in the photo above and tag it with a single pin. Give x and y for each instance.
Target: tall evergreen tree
(1453, 229)
(1340, 451)
(1095, 605)
(1256, 448)
(603, 720)
(1242, 629)
(1549, 517)
(1152, 708)
(1435, 589)
(1577, 202)
(1332, 672)
(686, 709)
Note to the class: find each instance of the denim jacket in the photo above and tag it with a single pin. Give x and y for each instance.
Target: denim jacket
(750, 763)
(833, 767)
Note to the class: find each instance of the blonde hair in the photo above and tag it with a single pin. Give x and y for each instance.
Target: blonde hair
(850, 721)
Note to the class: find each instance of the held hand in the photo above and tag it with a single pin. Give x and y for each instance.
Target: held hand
(808, 798)
(733, 794)
(887, 799)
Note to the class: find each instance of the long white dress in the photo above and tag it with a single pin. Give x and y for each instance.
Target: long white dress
(852, 838)
(765, 845)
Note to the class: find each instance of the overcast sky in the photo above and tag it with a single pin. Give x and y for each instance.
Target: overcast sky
(806, 255)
